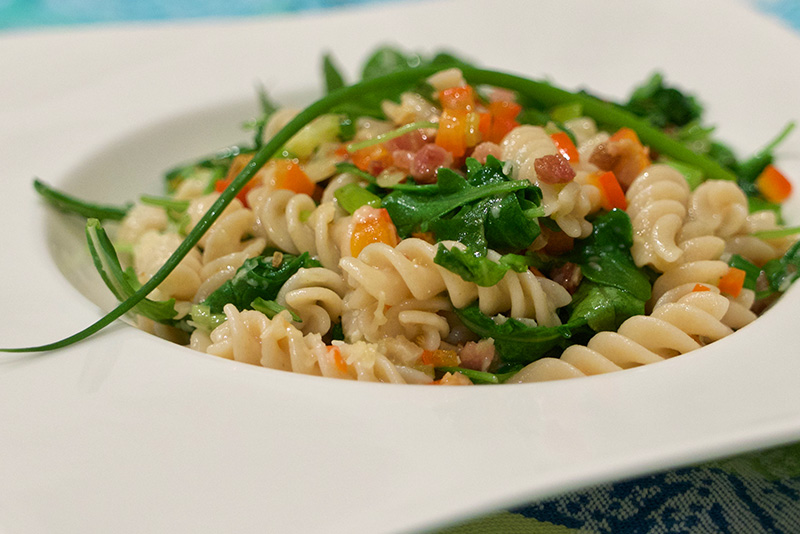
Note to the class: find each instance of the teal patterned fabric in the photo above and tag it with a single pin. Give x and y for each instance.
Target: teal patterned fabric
(756, 493)
(749, 494)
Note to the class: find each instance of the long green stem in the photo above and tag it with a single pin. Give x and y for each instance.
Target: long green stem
(541, 92)
(261, 157)
(604, 112)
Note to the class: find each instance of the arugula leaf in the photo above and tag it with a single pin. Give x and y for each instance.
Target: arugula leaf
(70, 204)
(603, 307)
(487, 209)
(605, 257)
(661, 105)
(257, 278)
(749, 170)
(782, 272)
(475, 267)
(515, 341)
(123, 283)
(270, 308)
(203, 318)
(333, 78)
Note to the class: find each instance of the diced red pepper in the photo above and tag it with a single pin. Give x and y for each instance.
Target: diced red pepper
(565, 146)
(700, 287)
(611, 192)
(773, 185)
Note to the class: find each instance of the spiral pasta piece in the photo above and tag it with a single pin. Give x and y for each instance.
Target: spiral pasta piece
(250, 337)
(393, 275)
(365, 318)
(294, 223)
(674, 328)
(315, 295)
(567, 204)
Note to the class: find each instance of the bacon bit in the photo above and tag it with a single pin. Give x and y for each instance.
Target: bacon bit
(452, 379)
(427, 160)
(440, 358)
(553, 169)
(486, 149)
(338, 360)
(700, 287)
(403, 159)
(372, 159)
(370, 225)
(568, 276)
(624, 155)
(557, 243)
(411, 141)
(478, 356)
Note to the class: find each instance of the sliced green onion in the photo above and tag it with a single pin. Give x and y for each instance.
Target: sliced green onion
(777, 233)
(353, 196)
(165, 202)
(378, 139)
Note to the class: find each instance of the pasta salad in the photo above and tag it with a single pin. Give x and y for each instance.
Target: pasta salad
(437, 223)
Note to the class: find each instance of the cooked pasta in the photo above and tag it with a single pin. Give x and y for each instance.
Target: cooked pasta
(455, 233)
(567, 204)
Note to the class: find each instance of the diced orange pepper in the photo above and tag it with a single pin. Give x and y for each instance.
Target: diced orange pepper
(612, 195)
(700, 287)
(372, 159)
(773, 185)
(239, 163)
(371, 225)
(338, 360)
(440, 358)
(565, 146)
(459, 125)
(732, 282)
(625, 133)
(289, 175)
(499, 120)
(457, 99)
(452, 133)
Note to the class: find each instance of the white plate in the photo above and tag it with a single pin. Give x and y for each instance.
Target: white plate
(127, 433)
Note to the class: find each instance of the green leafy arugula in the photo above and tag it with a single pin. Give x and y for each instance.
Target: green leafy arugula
(605, 257)
(486, 209)
(257, 278)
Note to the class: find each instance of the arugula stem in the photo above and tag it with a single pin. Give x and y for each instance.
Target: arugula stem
(71, 204)
(604, 112)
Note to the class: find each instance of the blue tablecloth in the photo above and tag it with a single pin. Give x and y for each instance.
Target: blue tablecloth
(748, 494)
